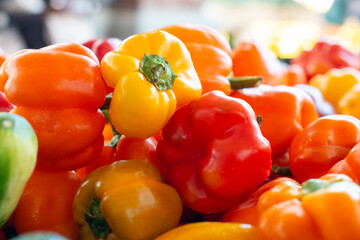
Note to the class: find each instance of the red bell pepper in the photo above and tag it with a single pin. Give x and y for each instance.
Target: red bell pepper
(5, 106)
(139, 148)
(100, 47)
(214, 152)
(106, 157)
(324, 56)
(127, 148)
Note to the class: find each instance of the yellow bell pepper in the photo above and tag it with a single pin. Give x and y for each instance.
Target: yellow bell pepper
(152, 74)
(335, 83)
(213, 231)
(349, 104)
(125, 200)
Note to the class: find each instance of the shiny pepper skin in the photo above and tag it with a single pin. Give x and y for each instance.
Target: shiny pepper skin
(214, 152)
(210, 52)
(58, 89)
(285, 112)
(322, 144)
(129, 198)
(152, 74)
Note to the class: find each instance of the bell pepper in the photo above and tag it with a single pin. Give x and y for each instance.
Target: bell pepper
(247, 210)
(349, 103)
(326, 55)
(5, 106)
(105, 157)
(251, 59)
(100, 47)
(321, 209)
(335, 83)
(127, 148)
(293, 75)
(323, 143)
(58, 89)
(2, 57)
(213, 231)
(322, 106)
(214, 152)
(350, 165)
(152, 73)
(138, 148)
(46, 204)
(285, 111)
(18, 151)
(125, 200)
(210, 52)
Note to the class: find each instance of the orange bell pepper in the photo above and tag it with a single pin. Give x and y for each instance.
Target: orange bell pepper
(2, 57)
(251, 59)
(285, 111)
(212, 231)
(210, 52)
(46, 204)
(323, 143)
(293, 75)
(58, 89)
(246, 211)
(125, 200)
(322, 209)
(350, 165)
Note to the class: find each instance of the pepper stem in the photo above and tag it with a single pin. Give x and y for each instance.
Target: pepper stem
(116, 135)
(259, 119)
(245, 82)
(313, 185)
(96, 220)
(157, 71)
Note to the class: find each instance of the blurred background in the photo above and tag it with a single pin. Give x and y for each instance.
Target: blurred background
(285, 26)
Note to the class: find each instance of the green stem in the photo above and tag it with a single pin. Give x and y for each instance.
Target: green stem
(114, 141)
(157, 71)
(313, 185)
(96, 220)
(245, 82)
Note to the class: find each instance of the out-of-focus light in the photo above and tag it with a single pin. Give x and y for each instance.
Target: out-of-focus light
(58, 4)
(349, 34)
(32, 6)
(320, 6)
(4, 20)
(286, 38)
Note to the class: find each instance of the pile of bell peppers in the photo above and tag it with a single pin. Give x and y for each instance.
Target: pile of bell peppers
(171, 134)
